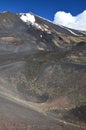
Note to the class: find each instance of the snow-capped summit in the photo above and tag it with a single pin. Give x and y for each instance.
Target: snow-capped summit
(28, 17)
(45, 25)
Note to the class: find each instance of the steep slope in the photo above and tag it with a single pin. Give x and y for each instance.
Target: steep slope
(42, 74)
(58, 33)
(34, 37)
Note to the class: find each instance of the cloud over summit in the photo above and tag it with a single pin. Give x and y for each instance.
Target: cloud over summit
(75, 22)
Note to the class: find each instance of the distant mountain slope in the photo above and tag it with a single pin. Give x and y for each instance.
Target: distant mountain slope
(42, 74)
(42, 35)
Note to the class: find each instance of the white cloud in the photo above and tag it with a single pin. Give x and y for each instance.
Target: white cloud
(75, 22)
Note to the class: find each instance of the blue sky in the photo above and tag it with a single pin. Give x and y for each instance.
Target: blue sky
(44, 8)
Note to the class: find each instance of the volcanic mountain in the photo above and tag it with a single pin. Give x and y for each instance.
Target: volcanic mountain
(42, 74)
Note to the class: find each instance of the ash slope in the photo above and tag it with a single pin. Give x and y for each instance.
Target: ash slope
(42, 69)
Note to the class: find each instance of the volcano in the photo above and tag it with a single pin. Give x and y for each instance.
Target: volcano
(42, 74)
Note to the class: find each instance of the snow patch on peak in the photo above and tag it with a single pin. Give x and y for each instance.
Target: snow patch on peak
(28, 18)
(71, 32)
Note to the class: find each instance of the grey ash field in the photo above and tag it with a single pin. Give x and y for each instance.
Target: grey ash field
(42, 75)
